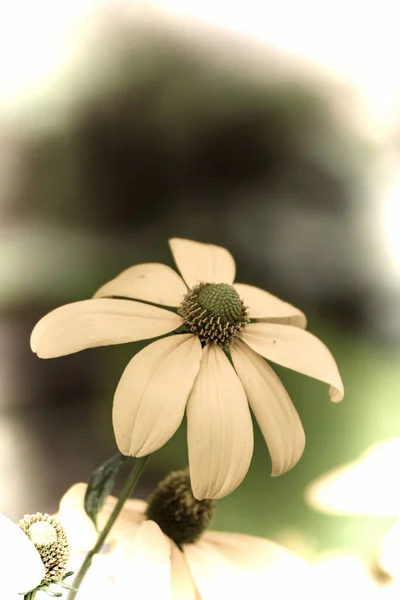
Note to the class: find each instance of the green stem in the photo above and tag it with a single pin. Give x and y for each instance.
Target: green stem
(128, 488)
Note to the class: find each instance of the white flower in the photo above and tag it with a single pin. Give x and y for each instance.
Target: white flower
(21, 568)
(185, 372)
(147, 564)
(347, 576)
(367, 486)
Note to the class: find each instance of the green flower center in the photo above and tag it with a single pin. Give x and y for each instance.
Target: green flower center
(214, 312)
(176, 511)
(50, 541)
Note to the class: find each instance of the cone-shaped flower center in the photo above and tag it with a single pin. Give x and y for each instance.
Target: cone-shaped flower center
(42, 533)
(214, 312)
(176, 511)
(50, 541)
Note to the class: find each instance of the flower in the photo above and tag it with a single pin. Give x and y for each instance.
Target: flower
(50, 541)
(213, 366)
(347, 576)
(365, 487)
(22, 569)
(144, 561)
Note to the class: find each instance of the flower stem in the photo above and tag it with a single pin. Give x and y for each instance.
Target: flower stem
(133, 478)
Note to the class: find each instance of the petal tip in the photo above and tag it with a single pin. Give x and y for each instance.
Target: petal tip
(336, 395)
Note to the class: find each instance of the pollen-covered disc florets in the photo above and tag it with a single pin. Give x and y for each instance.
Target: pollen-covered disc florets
(51, 542)
(176, 511)
(214, 312)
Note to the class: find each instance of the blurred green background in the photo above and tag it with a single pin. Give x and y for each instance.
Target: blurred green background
(148, 135)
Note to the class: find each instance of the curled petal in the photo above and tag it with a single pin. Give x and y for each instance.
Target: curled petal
(265, 306)
(296, 349)
(99, 322)
(150, 399)
(277, 417)
(220, 430)
(202, 262)
(22, 569)
(151, 282)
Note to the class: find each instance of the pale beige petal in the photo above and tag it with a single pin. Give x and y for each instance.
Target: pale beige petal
(265, 569)
(133, 511)
(80, 530)
(146, 565)
(263, 305)
(296, 349)
(202, 262)
(99, 322)
(277, 417)
(364, 487)
(128, 521)
(220, 430)
(22, 569)
(151, 397)
(214, 575)
(182, 585)
(390, 552)
(151, 282)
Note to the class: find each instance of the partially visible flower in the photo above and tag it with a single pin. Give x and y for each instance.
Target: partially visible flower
(21, 568)
(161, 550)
(367, 486)
(50, 541)
(347, 577)
(213, 367)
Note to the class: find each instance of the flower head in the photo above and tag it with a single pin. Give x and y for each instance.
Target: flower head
(51, 542)
(213, 366)
(155, 554)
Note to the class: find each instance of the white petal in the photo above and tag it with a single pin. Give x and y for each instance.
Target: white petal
(220, 430)
(277, 417)
(99, 322)
(131, 516)
(151, 282)
(265, 569)
(214, 575)
(202, 262)
(182, 585)
(80, 530)
(365, 486)
(22, 569)
(390, 552)
(151, 397)
(265, 306)
(296, 349)
(146, 566)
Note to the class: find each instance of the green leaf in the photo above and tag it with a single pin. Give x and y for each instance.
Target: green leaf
(100, 484)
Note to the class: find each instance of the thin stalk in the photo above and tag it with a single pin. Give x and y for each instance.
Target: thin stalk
(133, 478)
